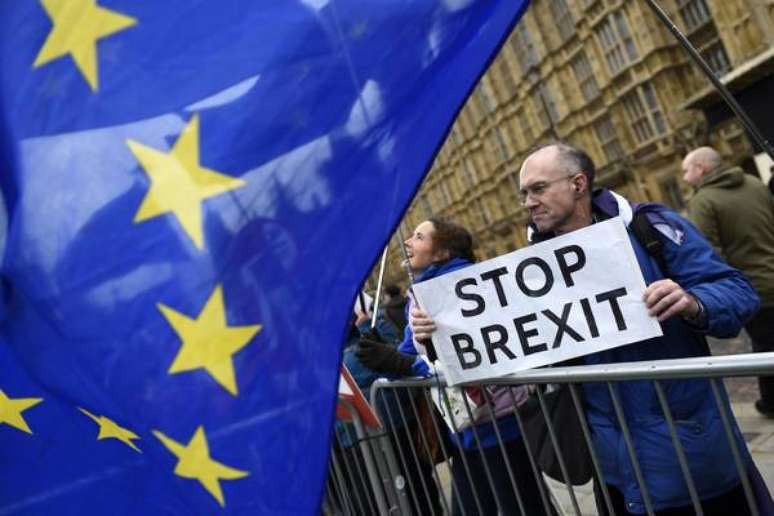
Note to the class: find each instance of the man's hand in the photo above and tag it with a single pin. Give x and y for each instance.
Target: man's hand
(421, 324)
(665, 298)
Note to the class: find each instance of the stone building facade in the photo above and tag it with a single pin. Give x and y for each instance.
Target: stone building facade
(604, 75)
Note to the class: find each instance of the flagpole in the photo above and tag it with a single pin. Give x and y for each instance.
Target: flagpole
(428, 343)
(719, 86)
(407, 267)
(379, 287)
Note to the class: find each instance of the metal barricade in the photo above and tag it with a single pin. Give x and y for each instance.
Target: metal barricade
(363, 476)
(422, 464)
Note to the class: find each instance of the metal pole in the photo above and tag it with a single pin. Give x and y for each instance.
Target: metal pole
(503, 451)
(402, 245)
(723, 409)
(428, 343)
(542, 487)
(719, 86)
(379, 288)
(576, 400)
(557, 449)
(619, 412)
(373, 475)
(399, 480)
(681, 459)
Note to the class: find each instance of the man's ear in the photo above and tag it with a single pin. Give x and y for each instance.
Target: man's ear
(580, 183)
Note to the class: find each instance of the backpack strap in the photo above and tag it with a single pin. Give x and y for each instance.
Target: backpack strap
(648, 237)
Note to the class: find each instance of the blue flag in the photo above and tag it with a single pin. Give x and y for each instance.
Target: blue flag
(193, 193)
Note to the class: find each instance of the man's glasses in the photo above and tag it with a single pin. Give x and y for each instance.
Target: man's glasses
(539, 189)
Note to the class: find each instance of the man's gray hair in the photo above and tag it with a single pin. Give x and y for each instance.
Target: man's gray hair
(573, 160)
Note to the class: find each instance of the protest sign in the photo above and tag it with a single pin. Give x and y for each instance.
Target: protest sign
(570, 296)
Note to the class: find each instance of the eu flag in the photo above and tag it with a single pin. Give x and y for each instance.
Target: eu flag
(193, 191)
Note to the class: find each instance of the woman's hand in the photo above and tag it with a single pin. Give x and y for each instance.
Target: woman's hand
(421, 324)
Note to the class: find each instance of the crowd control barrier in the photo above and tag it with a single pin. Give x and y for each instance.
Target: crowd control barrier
(405, 467)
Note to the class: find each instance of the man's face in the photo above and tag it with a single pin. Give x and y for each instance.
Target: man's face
(547, 191)
(692, 172)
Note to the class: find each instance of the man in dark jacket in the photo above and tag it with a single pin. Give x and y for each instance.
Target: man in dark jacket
(698, 294)
(735, 212)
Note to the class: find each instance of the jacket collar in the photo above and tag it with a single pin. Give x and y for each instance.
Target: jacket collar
(439, 269)
(609, 204)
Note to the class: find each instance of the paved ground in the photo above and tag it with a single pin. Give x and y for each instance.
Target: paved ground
(758, 431)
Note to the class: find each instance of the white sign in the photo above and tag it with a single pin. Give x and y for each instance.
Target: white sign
(570, 296)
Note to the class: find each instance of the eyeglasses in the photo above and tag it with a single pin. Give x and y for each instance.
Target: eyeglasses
(539, 189)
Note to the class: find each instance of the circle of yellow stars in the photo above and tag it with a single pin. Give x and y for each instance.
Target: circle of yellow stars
(179, 185)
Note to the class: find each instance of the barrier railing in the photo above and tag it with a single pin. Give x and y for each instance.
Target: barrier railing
(473, 458)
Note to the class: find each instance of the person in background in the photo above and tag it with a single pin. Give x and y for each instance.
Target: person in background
(735, 211)
(439, 247)
(395, 306)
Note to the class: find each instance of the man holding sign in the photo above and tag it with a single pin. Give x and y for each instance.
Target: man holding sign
(577, 289)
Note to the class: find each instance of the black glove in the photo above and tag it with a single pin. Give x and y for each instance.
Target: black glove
(383, 358)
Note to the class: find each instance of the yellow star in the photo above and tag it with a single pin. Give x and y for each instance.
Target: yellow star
(109, 428)
(78, 24)
(208, 342)
(179, 183)
(11, 411)
(195, 462)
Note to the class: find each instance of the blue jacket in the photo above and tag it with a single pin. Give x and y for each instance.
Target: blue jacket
(507, 425)
(729, 301)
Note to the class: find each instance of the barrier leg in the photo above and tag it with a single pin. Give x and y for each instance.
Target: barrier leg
(368, 459)
(630, 447)
(418, 465)
(557, 449)
(346, 504)
(547, 503)
(461, 454)
(678, 449)
(587, 436)
(348, 476)
(503, 452)
(487, 470)
(444, 451)
(404, 465)
(723, 408)
(392, 477)
(426, 448)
